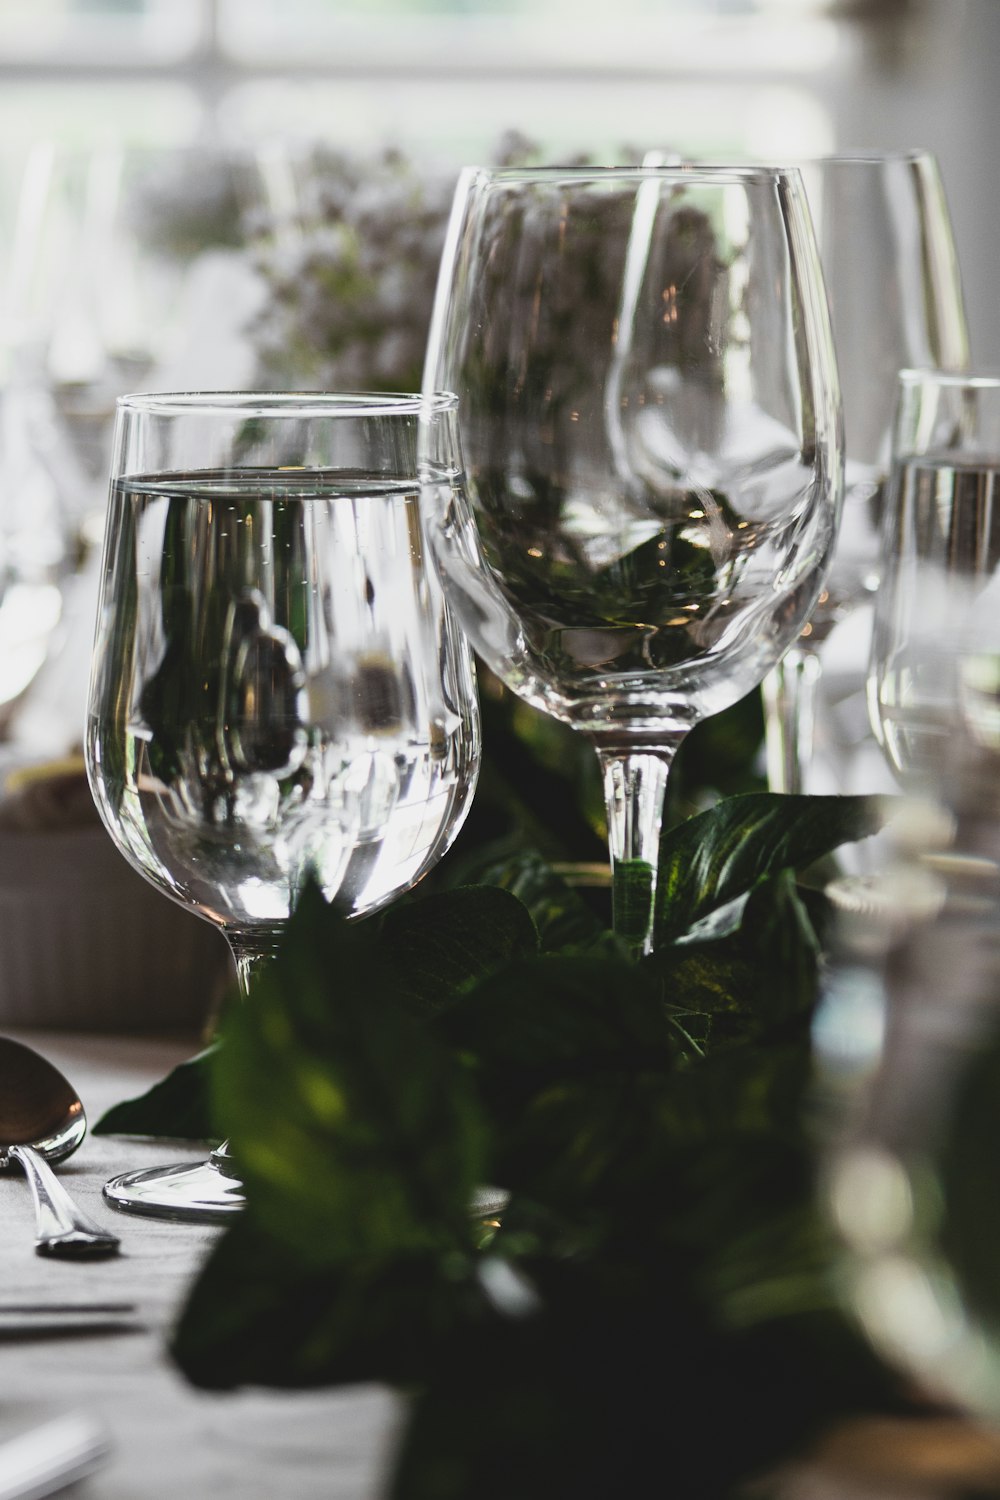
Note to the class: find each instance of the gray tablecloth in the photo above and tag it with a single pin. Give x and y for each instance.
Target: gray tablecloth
(168, 1440)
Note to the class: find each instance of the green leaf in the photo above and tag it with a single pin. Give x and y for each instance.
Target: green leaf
(439, 944)
(561, 916)
(752, 978)
(178, 1107)
(625, 1385)
(354, 1127)
(557, 1015)
(570, 1055)
(257, 1317)
(716, 856)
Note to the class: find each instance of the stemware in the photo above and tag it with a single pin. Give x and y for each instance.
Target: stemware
(126, 269)
(931, 680)
(912, 1174)
(126, 273)
(650, 432)
(892, 279)
(278, 689)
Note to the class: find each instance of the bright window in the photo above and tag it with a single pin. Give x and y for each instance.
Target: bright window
(450, 76)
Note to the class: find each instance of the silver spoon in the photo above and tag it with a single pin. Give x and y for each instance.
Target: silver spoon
(42, 1120)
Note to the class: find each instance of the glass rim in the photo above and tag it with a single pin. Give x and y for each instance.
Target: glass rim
(340, 405)
(986, 377)
(866, 156)
(709, 171)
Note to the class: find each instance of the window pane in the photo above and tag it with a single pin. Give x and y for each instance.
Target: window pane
(86, 113)
(101, 31)
(458, 121)
(645, 35)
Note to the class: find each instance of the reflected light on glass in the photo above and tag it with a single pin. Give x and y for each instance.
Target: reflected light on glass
(849, 1026)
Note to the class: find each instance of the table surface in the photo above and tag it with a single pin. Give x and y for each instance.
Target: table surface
(167, 1438)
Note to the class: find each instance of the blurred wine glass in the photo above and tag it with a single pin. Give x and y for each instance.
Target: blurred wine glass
(913, 1186)
(892, 279)
(649, 424)
(279, 690)
(934, 675)
(127, 269)
(126, 274)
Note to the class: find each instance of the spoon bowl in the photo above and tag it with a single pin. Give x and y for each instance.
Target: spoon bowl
(42, 1120)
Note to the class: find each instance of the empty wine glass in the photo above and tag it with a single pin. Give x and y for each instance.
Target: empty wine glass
(278, 689)
(891, 273)
(128, 271)
(649, 425)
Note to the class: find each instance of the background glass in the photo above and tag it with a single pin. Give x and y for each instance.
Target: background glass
(892, 278)
(912, 1181)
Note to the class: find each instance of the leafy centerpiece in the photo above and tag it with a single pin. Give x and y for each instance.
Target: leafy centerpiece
(656, 1293)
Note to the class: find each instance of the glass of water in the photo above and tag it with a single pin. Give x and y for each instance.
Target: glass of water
(913, 1185)
(278, 689)
(933, 688)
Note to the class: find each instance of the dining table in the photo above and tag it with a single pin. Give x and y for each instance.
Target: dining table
(88, 1341)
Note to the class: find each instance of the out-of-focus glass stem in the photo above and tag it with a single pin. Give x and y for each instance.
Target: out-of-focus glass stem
(252, 951)
(635, 788)
(790, 691)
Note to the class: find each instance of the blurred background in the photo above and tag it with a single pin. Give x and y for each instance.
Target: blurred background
(215, 193)
(444, 79)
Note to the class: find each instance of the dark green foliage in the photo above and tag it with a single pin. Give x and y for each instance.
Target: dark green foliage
(661, 1274)
(178, 1106)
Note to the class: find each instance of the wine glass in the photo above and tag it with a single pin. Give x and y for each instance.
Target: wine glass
(912, 1183)
(278, 689)
(128, 271)
(932, 681)
(895, 295)
(649, 421)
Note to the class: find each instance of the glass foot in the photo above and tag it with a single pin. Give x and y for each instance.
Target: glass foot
(198, 1192)
(488, 1202)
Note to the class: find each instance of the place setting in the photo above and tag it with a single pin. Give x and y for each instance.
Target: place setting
(506, 1075)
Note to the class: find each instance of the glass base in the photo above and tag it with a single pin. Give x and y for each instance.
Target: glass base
(488, 1202)
(198, 1192)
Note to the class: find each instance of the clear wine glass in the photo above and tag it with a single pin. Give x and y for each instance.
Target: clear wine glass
(278, 689)
(649, 419)
(128, 271)
(892, 278)
(912, 1183)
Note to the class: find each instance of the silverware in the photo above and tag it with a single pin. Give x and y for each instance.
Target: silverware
(21, 1320)
(42, 1120)
(51, 1457)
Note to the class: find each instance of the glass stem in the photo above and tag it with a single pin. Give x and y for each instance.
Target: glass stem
(252, 950)
(635, 789)
(789, 691)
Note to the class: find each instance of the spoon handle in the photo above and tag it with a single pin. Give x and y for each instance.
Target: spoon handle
(61, 1227)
